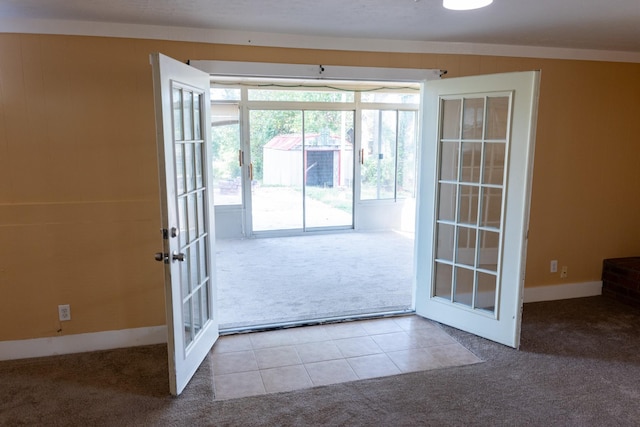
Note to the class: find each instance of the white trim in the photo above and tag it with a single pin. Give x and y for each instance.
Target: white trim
(80, 343)
(313, 71)
(564, 291)
(156, 32)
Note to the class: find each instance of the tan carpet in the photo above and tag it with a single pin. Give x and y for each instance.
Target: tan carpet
(579, 366)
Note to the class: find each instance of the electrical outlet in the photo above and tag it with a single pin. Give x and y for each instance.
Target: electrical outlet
(554, 266)
(564, 272)
(64, 312)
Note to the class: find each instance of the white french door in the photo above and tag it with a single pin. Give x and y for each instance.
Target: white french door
(473, 206)
(183, 137)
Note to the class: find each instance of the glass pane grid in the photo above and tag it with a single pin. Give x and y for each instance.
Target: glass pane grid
(194, 291)
(470, 200)
(191, 192)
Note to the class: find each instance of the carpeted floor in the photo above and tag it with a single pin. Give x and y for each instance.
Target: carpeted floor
(579, 365)
(301, 278)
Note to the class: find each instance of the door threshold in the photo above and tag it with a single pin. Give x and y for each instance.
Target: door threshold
(313, 322)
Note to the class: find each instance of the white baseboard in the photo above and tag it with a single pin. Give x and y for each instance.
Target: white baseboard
(564, 291)
(80, 343)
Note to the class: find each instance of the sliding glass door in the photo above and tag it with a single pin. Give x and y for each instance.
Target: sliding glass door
(328, 169)
(301, 169)
(275, 170)
(292, 156)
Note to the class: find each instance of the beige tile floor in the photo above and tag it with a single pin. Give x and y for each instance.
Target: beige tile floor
(289, 359)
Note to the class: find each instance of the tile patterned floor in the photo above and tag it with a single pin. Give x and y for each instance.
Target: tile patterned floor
(289, 359)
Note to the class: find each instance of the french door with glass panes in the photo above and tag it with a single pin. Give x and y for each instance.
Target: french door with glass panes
(474, 202)
(183, 136)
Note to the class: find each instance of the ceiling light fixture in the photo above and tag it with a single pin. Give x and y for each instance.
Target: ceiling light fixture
(465, 4)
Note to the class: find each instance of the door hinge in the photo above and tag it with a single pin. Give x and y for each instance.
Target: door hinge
(165, 234)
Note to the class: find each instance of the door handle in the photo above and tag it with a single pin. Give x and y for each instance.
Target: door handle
(240, 158)
(177, 256)
(362, 156)
(251, 171)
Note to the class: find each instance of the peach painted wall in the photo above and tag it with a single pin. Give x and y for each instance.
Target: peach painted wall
(79, 206)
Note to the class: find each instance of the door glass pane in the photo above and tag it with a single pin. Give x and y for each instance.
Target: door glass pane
(182, 221)
(177, 113)
(377, 171)
(466, 253)
(471, 157)
(493, 171)
(196, 111)
(186, 318)
(200, 207)
(488, 251)
(191, 218)
(328, 168)
(491, 207)
(179, 149)
(206, 309)
(447, 202)
(202, 253)
(189, 172)
(188, 115)
(497, 117)
(276, 156)
(451, 119)
(225, 140)
(184, 274)
(194, 274)
(443, 278)
(449, 161)
(198, 152)
(473, 118)
(468, 205)
(464, 286)
(446, 236)
(197, 311)
(406, 168)
(486, 296)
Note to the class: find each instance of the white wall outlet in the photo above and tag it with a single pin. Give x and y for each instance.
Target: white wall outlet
(64, 312)
(564, 272)
(554, 266)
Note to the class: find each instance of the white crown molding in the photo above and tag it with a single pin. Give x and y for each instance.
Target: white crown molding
(85, 28)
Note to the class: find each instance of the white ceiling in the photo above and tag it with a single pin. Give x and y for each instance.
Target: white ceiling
(576, 24)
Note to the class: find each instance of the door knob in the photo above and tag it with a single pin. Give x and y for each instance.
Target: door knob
(160, 256)
(177, 256)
